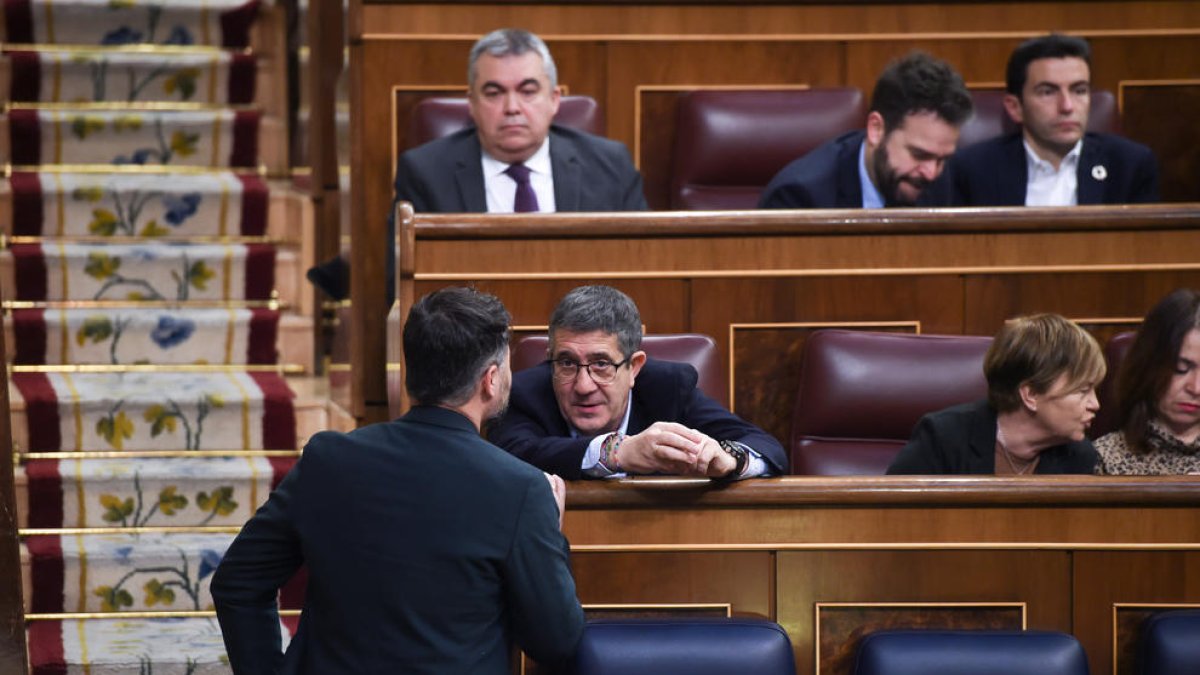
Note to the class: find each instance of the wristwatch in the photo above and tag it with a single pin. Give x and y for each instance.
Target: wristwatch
(740, 455)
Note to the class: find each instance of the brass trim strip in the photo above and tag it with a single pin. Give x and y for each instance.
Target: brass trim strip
(151, 304)
(137, 169)
(854, 325)
(124, 49)
(784, 547)
(147, 454)
(161, 529)
(803, 272)
(182, 614)
(7, 241)
(728, 607)
(285, 368)
(118, 106)
(468, 38)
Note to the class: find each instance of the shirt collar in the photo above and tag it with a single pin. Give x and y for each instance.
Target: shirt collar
(539, 162)
(1037, 165)
(871, 199)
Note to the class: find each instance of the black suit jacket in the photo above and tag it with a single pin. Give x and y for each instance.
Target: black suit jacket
(427, 550)
(962, 440)
(535, 430)
(590, 174)
(995, 172)
(826, 178)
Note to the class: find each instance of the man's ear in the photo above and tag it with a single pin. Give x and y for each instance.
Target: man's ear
(1029, 397)
(556, 98)
(636, 361)
(1012, 106)
(876, 129)
(490, 382)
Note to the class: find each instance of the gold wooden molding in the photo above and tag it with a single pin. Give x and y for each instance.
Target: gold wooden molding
(151, 304)
(282, 368)
(173, 454)
(885, 546)
(7, 241)
(161, 529)
(138, 169)
(182, 614)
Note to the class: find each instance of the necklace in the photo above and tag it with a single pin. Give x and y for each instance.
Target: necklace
(1008, 457)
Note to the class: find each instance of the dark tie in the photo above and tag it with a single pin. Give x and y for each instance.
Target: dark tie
(526, 201)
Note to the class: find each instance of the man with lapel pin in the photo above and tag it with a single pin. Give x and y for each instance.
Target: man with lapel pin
(1052, 160)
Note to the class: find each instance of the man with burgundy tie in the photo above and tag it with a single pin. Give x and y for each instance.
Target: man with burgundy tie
(514, 159)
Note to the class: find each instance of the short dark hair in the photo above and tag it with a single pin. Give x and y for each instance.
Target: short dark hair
(920, 83)
(1037, 350)
(1147, 369)
(450, 338)
(1052, 46)
(599, 308)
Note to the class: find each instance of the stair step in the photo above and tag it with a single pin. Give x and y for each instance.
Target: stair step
(51, 75)
(151, 271)
(205, 139)
(135, 411)
(218, 23)
(191, 646)
(88, 493)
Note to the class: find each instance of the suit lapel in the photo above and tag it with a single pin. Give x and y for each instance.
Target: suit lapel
(1088, 190)
(849, 184)
(1013, 179)
(468, 176)
(568, 176)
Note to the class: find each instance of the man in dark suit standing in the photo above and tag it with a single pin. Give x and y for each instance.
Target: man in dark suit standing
(917, 108)
(513, 95)
(428, 549)
(1051, 161)
(579, 414)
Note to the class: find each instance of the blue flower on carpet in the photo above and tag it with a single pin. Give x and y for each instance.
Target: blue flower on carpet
(123, 553)
(172, 331)
(181, 207)
(209, 559)
(179, 36)
(121, 36)
(139, 157)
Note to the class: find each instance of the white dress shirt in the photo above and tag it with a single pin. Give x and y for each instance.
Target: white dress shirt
(1048, 186)
(501, 189)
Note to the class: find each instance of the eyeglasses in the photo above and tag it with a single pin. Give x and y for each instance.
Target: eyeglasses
(602, 371)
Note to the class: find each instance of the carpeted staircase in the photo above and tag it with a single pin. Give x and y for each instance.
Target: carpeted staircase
(158, 328)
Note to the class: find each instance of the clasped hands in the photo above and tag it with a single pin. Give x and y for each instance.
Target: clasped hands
(671, 448)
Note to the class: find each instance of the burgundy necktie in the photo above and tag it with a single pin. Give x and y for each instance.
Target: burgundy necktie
(526, 201)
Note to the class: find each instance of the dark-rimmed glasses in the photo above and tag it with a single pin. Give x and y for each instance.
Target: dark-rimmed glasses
(602, 371)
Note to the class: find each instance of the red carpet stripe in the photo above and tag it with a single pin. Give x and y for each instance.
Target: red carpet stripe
(45, 493)
(264, 331)
(27, 203)
(245, 139)
(255, 201)
(25, 73)
(260, 271)
(41, 411)
(235, 25)
(279, 416)
(29, 268)
(46, 648)
(29, 334)
(242, 78)
(25, 137)
(47, 573)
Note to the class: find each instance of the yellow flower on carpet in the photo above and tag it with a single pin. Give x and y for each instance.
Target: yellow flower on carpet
(112, 600)
(101, 266)
(156, 592)
(184, 81)
(116, 510)
(220, 501)
(215, 400)
(92, 193)
(160, 420)
(184, 144)
(104, 223)
(121, 4)
(169, 502)
(84, 125)
(153, 229)
(94, 328)
(115, 429)
(127, 122)
(199, 274)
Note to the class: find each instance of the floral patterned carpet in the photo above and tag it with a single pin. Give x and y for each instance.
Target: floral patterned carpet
(144, 308)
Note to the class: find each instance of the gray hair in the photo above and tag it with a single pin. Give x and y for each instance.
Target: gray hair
(600, 308)
(511, 42)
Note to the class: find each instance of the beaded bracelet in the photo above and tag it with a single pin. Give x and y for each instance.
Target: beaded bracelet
(608, 452)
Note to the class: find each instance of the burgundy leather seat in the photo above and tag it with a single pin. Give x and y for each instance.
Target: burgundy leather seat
(730, 143)
(1114, 354)
(861, 393)
(990, 119)
(698, 350)
(440, 116)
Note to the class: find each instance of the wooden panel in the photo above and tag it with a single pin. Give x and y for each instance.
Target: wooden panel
(1040, 579)
(743, 580)
(990, 299)
(1127, 622)
(1173, 136)
(765, 369)
(1126, 577)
